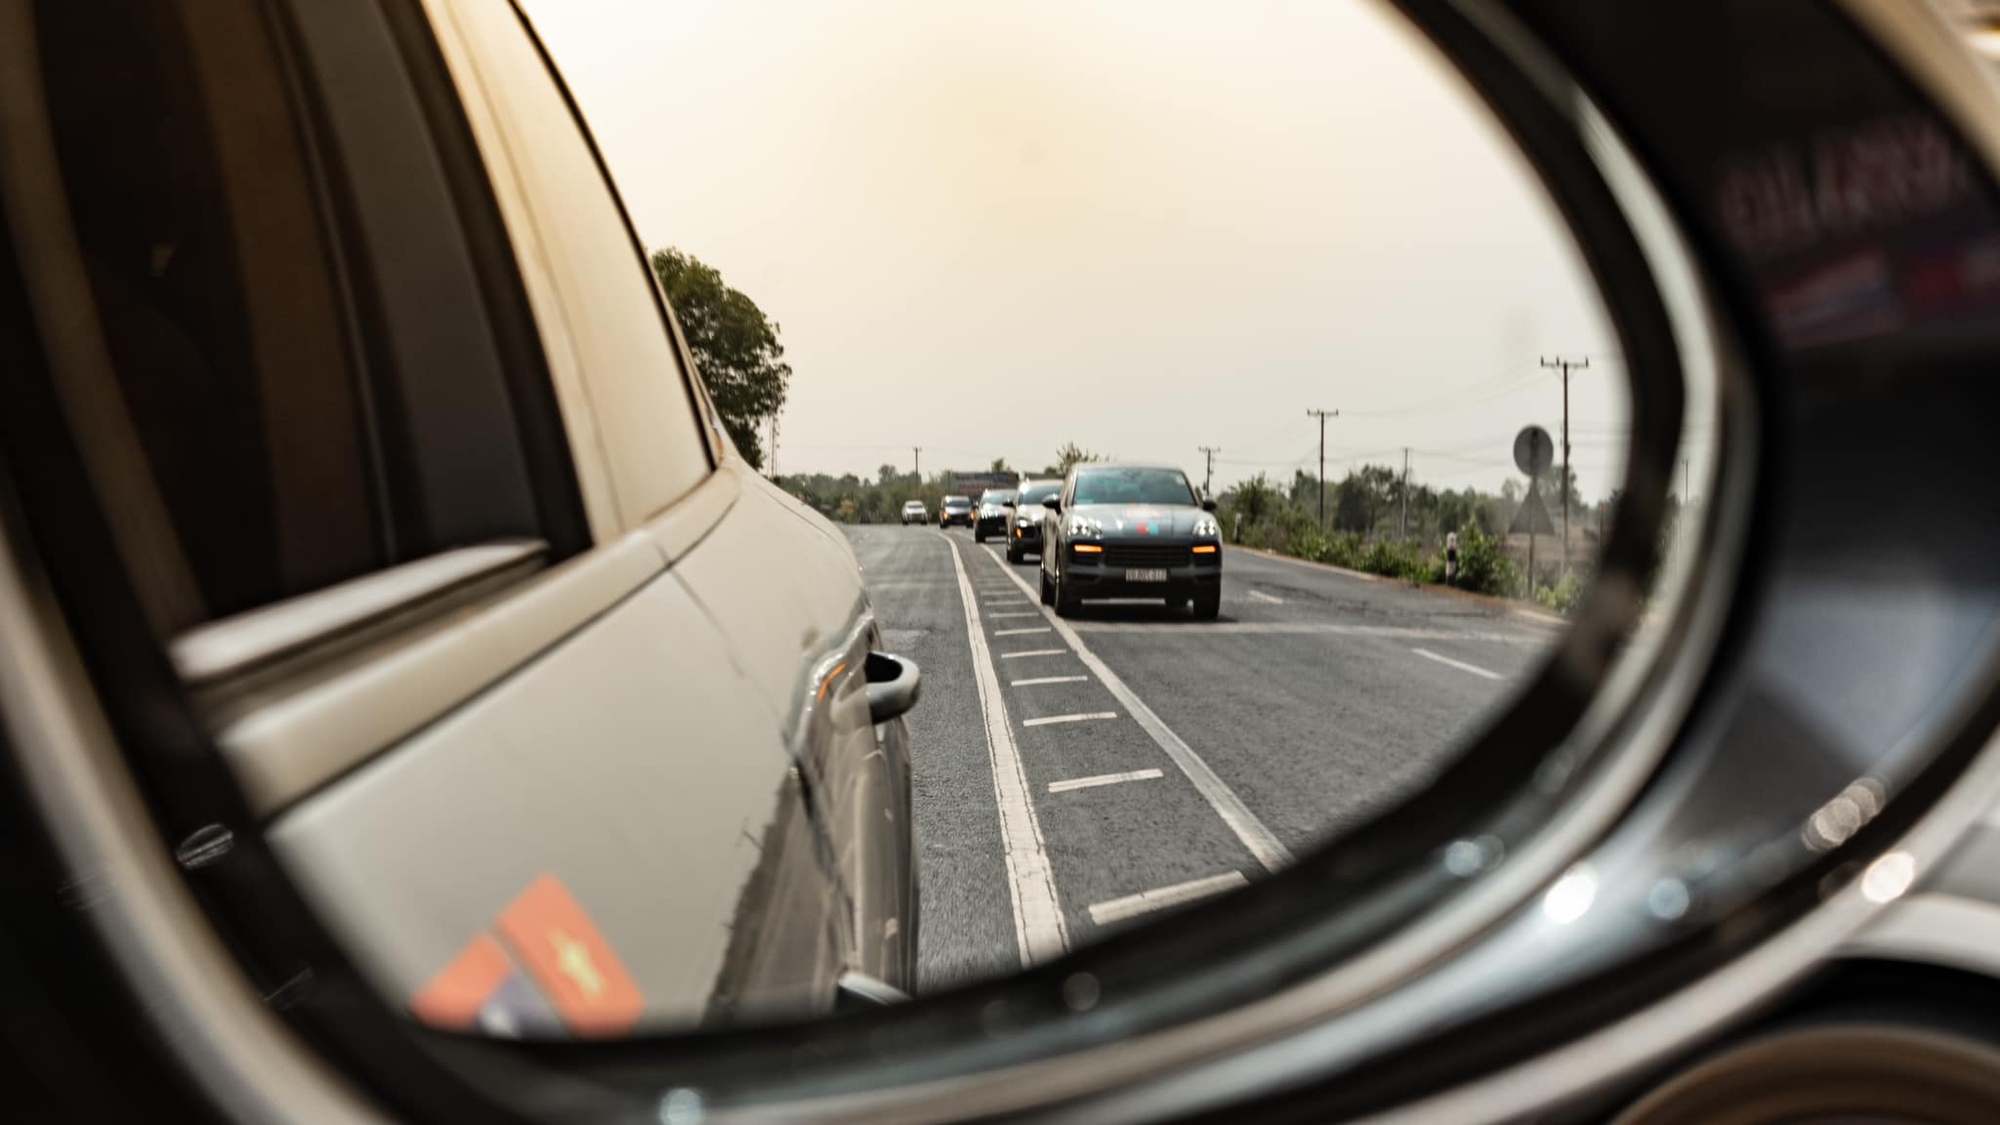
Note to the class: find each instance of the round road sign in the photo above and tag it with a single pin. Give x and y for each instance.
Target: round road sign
(1534, 451)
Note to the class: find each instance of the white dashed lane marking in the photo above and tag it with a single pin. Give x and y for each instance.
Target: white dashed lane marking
(1255, 835)
(1104, 779)
(1131, 906)
(1083, 718)
(1019, 632)
(1261, 596)
(1034, 652)
(1458, 664)
(1049, 680)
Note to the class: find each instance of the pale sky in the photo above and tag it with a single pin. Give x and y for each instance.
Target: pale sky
(1141, 225)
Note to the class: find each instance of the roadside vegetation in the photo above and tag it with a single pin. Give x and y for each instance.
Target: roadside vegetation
(1366, 529)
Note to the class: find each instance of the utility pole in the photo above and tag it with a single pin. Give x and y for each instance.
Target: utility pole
(1565, 366)
(1322, 415)
(919, 451)
(774, 446)
(1208, 476)
(1406, 494)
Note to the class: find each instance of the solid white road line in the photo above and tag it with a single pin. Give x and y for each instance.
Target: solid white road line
(1020, 632)
(1262, 842)
(1049, 680)
(1039, 930)
(1081, 718)
(1104, 779)
(1131, 906)
(1264, 597)
(1458, 664)
(1300, 628)
(1035, 652)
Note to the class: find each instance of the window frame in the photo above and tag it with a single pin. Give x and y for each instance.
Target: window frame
(498, 139)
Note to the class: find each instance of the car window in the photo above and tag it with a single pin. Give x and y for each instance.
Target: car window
(639, 397)
(1133, 486)
(1039, 493)
(278, 417)
(997, 498)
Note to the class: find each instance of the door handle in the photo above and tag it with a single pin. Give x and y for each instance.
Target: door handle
(894, 685)
(858, 991)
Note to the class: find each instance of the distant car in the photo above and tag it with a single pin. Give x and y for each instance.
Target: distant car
(1130, 531)
(915, 512)
(1024, 537)
(996, 505)
(955, 509)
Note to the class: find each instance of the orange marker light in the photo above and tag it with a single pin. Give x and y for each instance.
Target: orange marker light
(570, 959)
(1089, 549)
(830, 677)
(452, 999)
(1206, 549)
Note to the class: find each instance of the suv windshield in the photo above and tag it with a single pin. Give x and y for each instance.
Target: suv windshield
(1133, 486)
(1035, 494)
(999, 496)
(957, 502)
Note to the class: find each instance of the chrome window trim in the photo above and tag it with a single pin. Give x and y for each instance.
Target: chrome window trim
(286, 748)
(235, 645)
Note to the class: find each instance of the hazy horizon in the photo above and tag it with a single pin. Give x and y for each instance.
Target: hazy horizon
(1143, 227)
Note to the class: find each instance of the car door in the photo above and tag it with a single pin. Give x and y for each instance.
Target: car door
(395, 446)
(771, 576)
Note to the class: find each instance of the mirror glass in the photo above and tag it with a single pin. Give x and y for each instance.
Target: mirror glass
(1342, 412)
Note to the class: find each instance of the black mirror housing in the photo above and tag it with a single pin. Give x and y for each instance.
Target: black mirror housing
(894, 686)
(1208, 505)
(1052, 503)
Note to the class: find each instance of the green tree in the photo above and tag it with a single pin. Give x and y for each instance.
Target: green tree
(999, 465)
(1069, 455)
(1364, 497)
(1256, 499)
(735, 346)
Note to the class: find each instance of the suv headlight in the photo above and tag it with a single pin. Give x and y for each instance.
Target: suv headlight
(1205, 528)
(1083, 525)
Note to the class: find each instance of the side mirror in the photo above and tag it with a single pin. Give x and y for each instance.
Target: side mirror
(894, 685)
(1208, 505)
(1052, 503)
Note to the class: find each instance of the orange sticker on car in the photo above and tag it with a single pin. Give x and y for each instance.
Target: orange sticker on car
(453, 998)
(571, 960)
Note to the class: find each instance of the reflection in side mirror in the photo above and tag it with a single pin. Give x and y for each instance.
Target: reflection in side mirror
(1052, 503)
(1208, 505)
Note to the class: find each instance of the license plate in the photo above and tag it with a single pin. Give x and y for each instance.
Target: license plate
(1145, 576)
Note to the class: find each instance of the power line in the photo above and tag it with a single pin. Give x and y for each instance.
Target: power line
(1445, 401)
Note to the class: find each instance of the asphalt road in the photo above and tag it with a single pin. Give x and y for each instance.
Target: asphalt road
(1074, 775)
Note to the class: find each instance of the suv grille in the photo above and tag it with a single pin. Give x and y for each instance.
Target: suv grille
(1145, 555)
